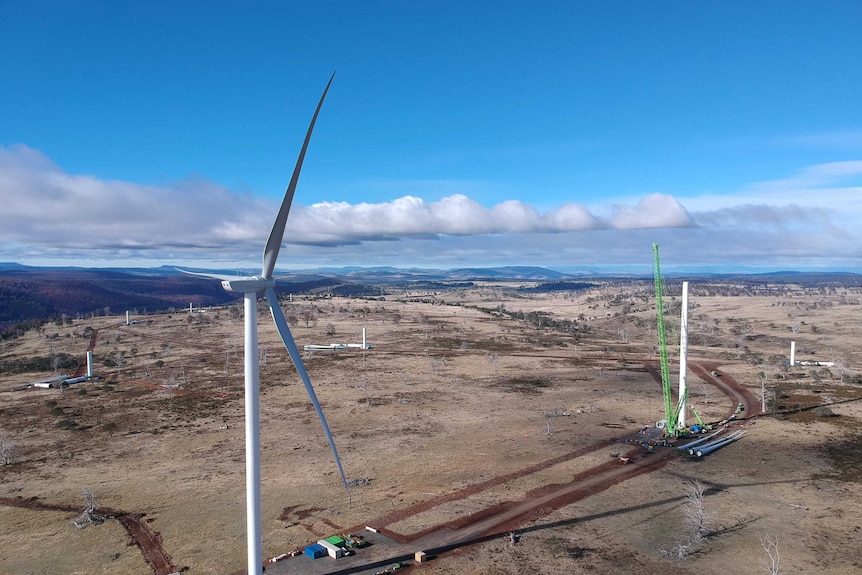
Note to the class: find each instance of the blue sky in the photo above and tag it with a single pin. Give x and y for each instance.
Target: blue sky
(455, 133)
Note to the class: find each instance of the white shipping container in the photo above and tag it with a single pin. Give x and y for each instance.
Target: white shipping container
(334, 551)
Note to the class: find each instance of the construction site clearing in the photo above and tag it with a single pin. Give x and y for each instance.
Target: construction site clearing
(385, 550)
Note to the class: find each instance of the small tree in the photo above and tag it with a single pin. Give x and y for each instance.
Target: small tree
(89, 500)
(89, 515)
(624, 334)
(7, 449)
(842, 367)
(707, 392)
(493, 359)
(171, 384)
(695, 520)
(696, 517)
(308, 316)
(772, 565)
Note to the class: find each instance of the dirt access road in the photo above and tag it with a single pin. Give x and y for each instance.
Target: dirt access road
(148, 541)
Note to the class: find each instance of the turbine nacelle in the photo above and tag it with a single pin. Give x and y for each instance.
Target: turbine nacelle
(253, 284)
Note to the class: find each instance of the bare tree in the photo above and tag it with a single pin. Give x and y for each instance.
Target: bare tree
(770, 545)
(842, 367)
(696, 516)
(309, 317)
(89, 515)
(706, 393)
(89, 500)
(695, 520)
(7, 449)
(493, 359)
(624, 334)
(330, 329)
(364, 387)
(171, 384)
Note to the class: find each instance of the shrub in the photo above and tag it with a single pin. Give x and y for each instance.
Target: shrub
(67, 424)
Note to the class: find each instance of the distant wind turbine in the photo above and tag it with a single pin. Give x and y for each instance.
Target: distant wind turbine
(250, 287)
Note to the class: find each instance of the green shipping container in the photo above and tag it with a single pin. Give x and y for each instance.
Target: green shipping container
(335, 540)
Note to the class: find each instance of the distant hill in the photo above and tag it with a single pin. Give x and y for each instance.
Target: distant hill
(33, 293)
(508, 272)
(27, 294)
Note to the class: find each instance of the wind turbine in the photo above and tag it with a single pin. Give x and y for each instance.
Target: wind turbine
(250, 287)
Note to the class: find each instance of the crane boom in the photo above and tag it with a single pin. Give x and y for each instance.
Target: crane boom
(670, 413)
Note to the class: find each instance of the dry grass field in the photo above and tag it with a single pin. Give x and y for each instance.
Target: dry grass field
(455, 391)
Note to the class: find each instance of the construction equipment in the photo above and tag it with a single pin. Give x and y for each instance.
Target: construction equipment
(671, 413)
(701, 426)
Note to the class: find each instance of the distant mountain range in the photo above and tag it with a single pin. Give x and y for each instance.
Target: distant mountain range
(38, 293)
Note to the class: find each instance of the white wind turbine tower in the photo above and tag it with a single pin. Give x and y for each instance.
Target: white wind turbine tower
(250, 287)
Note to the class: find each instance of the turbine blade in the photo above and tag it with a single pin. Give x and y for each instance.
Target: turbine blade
(276, 236)
(290, 344)
(220, 277)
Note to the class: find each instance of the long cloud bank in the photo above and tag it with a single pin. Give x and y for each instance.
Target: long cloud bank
(49, 206)
(48, 213)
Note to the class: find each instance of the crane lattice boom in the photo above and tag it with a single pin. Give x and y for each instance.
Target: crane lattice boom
(670, 413)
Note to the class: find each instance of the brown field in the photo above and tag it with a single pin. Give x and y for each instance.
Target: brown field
(454, 393)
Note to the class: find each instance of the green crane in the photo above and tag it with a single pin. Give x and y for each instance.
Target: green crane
(703, 425)
(671, 413)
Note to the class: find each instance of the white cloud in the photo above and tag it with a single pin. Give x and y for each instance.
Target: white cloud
(811, 177)
(834, 185)
(54, 210)
(47, 207)
(763, 216)
(411, 216)
(48, 214)
(654, 211)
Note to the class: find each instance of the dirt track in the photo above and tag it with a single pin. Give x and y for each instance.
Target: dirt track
(148, 541)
